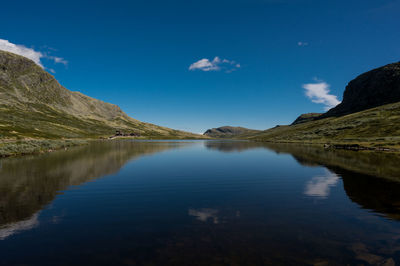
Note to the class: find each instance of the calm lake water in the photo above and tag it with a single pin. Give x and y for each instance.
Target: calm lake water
(200, 203)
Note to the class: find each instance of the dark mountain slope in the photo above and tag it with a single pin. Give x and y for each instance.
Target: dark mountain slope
(372, 89)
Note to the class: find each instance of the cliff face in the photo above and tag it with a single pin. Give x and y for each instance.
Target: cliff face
(34, 104)
(372, 89)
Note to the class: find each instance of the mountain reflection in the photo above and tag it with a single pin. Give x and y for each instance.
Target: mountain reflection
(12, 228)
(233, 146)
(371, 179)
(27, 184)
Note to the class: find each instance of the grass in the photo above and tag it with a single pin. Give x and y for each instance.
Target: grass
(376, 127)
(34, 105)
(43, 122)
(24, 147)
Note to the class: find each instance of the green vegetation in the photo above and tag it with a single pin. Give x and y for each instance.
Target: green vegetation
(376, 127)
(34, 105)
(229, 132)
(22, 147)
(367, 118)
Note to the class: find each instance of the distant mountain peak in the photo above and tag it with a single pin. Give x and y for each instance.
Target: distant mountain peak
(228, 132)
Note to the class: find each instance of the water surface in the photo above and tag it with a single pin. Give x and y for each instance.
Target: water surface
(200, 203)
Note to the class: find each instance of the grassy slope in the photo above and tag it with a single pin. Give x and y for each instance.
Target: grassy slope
(378, 126)
(42, 121)
(34, 105)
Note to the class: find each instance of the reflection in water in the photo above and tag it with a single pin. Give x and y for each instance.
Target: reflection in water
(205, 214)
(319, 186)
(29, 183)
(232, 146)
(151, 212)
(377, 194)
(13, 228)
(379, 164)
(371, 179)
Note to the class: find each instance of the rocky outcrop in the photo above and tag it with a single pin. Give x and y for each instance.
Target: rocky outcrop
(372, 89)
(306, 118)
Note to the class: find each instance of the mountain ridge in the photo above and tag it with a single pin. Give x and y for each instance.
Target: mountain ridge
(33, 104)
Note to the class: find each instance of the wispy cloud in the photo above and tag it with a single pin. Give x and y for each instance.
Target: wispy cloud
(319, 93)
(216, 64)
(30, 53)
(58, 60)
(302, 43)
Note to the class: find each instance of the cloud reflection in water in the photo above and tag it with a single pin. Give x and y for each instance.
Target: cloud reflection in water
(319, 186)
(13, 228)
(205, 214)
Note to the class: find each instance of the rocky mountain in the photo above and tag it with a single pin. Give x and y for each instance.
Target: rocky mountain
(33, 104)
(229, 132)
(369, 115)
(374, 88)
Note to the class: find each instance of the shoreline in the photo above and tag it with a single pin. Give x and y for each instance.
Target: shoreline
(353, 146)
(14, 148)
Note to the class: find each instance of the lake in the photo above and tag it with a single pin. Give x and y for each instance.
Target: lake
(200, 203)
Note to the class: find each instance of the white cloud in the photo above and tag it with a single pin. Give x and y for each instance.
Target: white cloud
(319, 93)
(215, 65)
(30, 53)
(302, 43)
(21, 50)
(205, 65)
(58, 60)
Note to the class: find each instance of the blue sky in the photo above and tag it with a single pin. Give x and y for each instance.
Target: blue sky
(281, 57)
